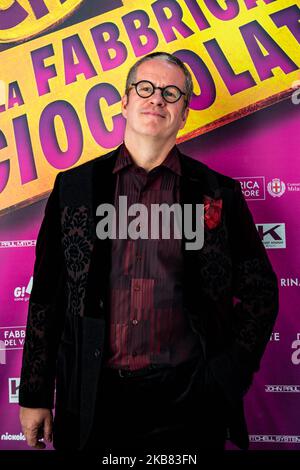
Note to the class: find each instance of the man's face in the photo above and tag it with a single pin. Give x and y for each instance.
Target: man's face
(153, 116)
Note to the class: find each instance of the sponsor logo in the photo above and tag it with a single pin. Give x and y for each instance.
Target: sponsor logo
(20, 292)
(281, 438)
(282, 388)
(275, 336)
(13, 389)
(293, 186)
(253, 187)
(13, 437)
(17, 243)
(12, 336)
(272, 235)
(295, 358)
(276, 187)
(290, 282)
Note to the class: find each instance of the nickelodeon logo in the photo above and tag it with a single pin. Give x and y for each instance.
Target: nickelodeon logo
(21, 20)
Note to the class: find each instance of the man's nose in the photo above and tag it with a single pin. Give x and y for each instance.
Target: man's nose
(157, 98)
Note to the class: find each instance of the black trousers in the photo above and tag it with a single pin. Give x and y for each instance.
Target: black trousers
(170, 409)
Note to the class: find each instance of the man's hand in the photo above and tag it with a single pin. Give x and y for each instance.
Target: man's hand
(36, 424)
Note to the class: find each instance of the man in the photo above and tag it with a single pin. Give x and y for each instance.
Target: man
(149, 343)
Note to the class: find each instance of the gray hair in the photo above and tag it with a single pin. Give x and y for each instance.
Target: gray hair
(131, 77)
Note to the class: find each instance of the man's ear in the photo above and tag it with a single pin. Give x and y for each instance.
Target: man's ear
(124, 102)
(184, 116)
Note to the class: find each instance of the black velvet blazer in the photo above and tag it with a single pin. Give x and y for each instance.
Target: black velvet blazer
(230, 296)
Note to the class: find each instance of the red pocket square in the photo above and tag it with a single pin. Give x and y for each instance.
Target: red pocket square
(212, 212)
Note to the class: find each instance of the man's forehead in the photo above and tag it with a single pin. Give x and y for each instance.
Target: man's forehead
(160, 70)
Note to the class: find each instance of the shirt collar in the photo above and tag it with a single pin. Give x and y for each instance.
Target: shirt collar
(171, 161)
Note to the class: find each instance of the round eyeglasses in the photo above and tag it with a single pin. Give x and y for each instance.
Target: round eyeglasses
(170, 93)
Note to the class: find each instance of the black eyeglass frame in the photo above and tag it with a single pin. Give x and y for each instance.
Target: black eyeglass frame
(162, 89)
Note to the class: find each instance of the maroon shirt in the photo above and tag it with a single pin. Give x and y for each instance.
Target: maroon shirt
(147, 321)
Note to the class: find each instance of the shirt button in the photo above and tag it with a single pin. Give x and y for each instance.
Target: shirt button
(134, 322)
(97, 352)
(137, 288)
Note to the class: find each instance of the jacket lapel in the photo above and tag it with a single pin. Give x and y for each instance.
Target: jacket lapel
(103, 187)
(196, 181)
